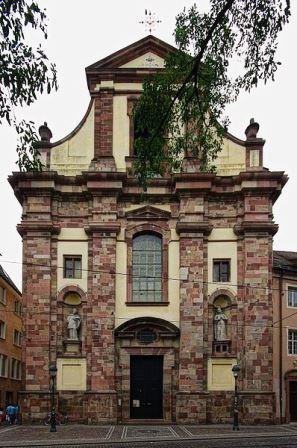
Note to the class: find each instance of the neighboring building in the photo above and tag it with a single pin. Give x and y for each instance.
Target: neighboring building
(285, 334)
(10, 340)
(142, 300)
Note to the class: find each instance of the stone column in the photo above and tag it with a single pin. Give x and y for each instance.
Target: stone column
(103, 130)
(101, 321)
(256, 350)
(38, 314)
(191, 398)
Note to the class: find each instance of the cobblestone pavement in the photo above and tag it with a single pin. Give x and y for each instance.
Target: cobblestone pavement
(187, 436)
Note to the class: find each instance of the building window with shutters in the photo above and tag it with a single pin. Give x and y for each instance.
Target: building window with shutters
(147, 268)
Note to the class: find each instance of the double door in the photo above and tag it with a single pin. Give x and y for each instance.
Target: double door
(146, 387)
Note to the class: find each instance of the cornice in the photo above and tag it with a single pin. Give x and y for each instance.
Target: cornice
(103, 227)
(255, 227)
(38, 226)
(193, 227)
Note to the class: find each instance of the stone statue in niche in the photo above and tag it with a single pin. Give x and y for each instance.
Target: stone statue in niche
(73, 324)
(220, 325)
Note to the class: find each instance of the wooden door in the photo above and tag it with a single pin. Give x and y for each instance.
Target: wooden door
(293, 400)
(146, 387)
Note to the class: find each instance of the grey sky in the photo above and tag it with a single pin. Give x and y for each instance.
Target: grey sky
(81, 33)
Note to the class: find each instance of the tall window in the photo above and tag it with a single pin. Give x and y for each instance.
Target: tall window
(221, 270)
(15, 369)
(292, 342)
(72, 266)
(2, 329)
(17, 338)
(2, 295)
(17, 307)
(147, 268)
(3, 365)
(292, 297)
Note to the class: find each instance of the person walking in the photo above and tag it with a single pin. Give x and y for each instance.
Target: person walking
(10, 412)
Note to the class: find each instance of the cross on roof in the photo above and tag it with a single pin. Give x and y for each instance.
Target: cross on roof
(150, 21)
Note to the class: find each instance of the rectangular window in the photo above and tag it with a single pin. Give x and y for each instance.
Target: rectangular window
(18, 307)
(15, 369)
(72, 266)
(292, 297)
(17, 338)
(2, 329)
(292, 342)
(3, 295)
(221, 270)
(3, 365)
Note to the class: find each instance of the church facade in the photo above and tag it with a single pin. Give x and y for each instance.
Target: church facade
(145, 302)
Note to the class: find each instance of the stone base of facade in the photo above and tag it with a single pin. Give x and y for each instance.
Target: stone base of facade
(190, 408)
(80, 407)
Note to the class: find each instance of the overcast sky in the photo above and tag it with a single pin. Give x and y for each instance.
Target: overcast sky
(82, 32)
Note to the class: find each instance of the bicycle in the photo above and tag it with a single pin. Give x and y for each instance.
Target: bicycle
(60, 419)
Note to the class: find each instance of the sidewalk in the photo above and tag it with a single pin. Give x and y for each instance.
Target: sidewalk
(30, 436)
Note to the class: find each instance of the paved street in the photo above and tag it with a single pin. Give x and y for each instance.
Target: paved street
(149, 436)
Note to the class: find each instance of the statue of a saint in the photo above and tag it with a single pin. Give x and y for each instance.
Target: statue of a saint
(220, 324)
(73, 324)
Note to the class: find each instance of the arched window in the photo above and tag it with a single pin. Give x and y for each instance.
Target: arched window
(147, 268)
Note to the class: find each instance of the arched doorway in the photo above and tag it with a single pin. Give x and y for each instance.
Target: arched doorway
(291, 396)
(147, 361)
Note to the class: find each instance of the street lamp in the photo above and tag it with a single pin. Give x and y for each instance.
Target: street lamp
(53, 374)
(235, 371)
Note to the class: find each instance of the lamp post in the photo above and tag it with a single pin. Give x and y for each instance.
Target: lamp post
(235, 371)
(53, 374)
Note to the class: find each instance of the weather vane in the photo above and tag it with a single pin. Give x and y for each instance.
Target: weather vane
(150, 21)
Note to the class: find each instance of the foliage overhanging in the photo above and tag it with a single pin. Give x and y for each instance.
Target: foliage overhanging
(25, 72)
(181, 111)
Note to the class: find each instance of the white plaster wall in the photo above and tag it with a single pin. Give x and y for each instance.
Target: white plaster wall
(231, 160)
(121, 129)
(75, 154)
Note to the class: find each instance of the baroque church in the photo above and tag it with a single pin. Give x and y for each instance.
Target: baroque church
(145, 302)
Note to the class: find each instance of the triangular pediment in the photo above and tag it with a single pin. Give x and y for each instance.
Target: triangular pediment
(149, 50)
(148, 213)
(147, 60)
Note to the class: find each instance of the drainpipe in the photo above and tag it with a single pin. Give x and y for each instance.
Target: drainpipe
(280, 297)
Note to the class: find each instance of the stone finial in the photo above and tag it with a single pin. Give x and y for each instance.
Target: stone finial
(252, 129)
(45, 133)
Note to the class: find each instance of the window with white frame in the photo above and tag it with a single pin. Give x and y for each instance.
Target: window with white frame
(2, 329)
(18, 307)
(292, 296)
(3, 295)
(15, 369)
(292, 342)
(3, 365)
(17, 338)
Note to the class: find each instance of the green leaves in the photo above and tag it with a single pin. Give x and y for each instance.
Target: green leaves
(24, 71)
(183, 108)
